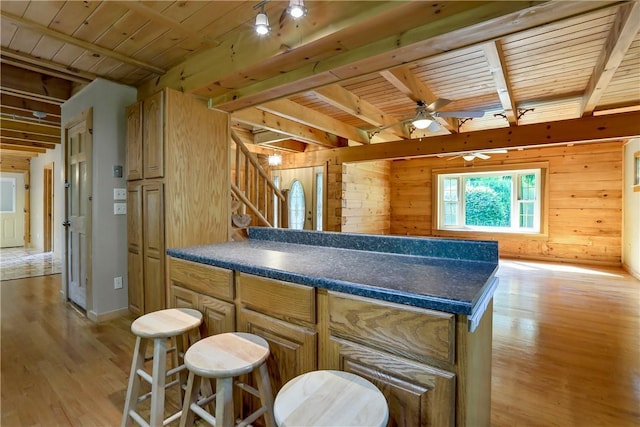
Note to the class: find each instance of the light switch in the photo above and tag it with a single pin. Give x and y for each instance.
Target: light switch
(119, 208)
(119, 194)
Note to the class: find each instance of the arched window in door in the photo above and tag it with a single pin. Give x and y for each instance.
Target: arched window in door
(296, 206)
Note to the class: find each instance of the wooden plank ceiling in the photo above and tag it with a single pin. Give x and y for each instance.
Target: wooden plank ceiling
(347, 73)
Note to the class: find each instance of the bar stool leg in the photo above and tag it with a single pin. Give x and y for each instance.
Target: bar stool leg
(134, 380)
(158, 382)
(263, 382)
(188, 417)
(225, 416)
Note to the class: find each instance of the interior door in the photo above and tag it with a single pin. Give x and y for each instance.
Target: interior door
(11, 210)
(47, 211)
(78, 223)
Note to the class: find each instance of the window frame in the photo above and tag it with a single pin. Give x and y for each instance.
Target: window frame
(479, 232)
(636, 171)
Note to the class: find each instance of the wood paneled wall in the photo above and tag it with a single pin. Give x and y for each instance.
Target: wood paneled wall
(366, 196)
(584, 202)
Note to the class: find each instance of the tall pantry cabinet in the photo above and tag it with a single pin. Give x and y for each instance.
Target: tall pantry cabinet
(177, 187)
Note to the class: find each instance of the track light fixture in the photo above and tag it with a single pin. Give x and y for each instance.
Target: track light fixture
(262, 20)
(296, 9)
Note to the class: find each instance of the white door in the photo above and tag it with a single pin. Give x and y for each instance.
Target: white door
(78, 178)
(11, 210)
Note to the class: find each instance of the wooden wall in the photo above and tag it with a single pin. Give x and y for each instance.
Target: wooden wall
(366, 196)
(584, 203)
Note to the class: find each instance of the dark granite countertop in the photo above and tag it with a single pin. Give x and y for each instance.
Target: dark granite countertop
(454, 276)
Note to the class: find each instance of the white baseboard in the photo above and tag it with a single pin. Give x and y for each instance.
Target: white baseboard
(110, 315)
(631, 271)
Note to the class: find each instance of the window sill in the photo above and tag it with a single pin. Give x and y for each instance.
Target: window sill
(487, 235)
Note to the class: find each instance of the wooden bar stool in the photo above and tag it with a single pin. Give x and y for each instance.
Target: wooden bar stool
(159, 327)
(330, 398)
(224, 357)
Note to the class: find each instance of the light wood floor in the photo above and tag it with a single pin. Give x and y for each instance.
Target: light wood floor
(566, 352)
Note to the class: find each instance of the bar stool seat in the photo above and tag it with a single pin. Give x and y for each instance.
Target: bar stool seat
(330, 398)
(158, 327)
(223, 357)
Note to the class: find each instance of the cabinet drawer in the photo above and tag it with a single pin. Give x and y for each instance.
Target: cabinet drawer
(412, 332)
(277, 298)
(204, 279)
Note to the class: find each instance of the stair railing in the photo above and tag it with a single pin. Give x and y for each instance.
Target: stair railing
(254, 189)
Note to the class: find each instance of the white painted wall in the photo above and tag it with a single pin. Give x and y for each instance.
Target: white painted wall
(631, 210)
(109, 231)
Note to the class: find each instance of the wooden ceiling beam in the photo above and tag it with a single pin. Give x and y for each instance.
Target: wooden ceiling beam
(43, 66)
(586, 129)
(406, 82)
(27, 106)
(240, 53)
(352, 104)
(459, 25)
(16, 113)
(266, 120)
(31, 147)
(289, 145)
(31, 128)
(268, 137)
(23, 136)
(80, 43)
(495, 57)
(309, 117)
(623, 32)
(25, 81)
(24, 144)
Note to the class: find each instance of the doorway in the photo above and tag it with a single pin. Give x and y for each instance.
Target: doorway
(12, 210)
(78, 146)
(47, 204)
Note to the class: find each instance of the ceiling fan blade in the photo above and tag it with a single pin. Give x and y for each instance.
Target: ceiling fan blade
(459, 114)
(498, 151)
(433, 127)
(481, 156)
(438, 104)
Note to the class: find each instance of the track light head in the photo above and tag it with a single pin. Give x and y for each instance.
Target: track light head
(296, 9)
(262, 24)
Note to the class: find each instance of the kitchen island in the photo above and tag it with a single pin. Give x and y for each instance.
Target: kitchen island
(412, 315)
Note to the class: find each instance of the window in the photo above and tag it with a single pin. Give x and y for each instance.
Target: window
(296, 206)
(7, 195)
(636, 171)
(490, 201)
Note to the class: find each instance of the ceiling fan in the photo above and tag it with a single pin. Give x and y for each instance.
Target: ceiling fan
(425, 115)
(484, 155)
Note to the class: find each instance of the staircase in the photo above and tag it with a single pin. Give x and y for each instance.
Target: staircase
(255, 198)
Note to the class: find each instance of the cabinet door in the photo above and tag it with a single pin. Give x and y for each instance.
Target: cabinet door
(154, 256)
(417, 394)
(219, 316)
(134, 141)
(153, 136)
(293, 347)
(135, 258)
(183, 298)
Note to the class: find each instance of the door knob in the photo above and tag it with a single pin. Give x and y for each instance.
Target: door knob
(66, 223)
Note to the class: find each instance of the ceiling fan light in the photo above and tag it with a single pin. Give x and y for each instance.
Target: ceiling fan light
(262, 24)
(296, 9)
(421, 123)
(468, 157)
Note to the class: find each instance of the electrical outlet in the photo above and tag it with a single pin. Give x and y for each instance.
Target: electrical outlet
(119, 194)
(117, 282)
(119, 208)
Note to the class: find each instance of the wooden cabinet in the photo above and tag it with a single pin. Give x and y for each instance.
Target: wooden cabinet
(396, 347)
(207, 289)
(430, 368)
(134, 141)
(178, 180)
(284, 314)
